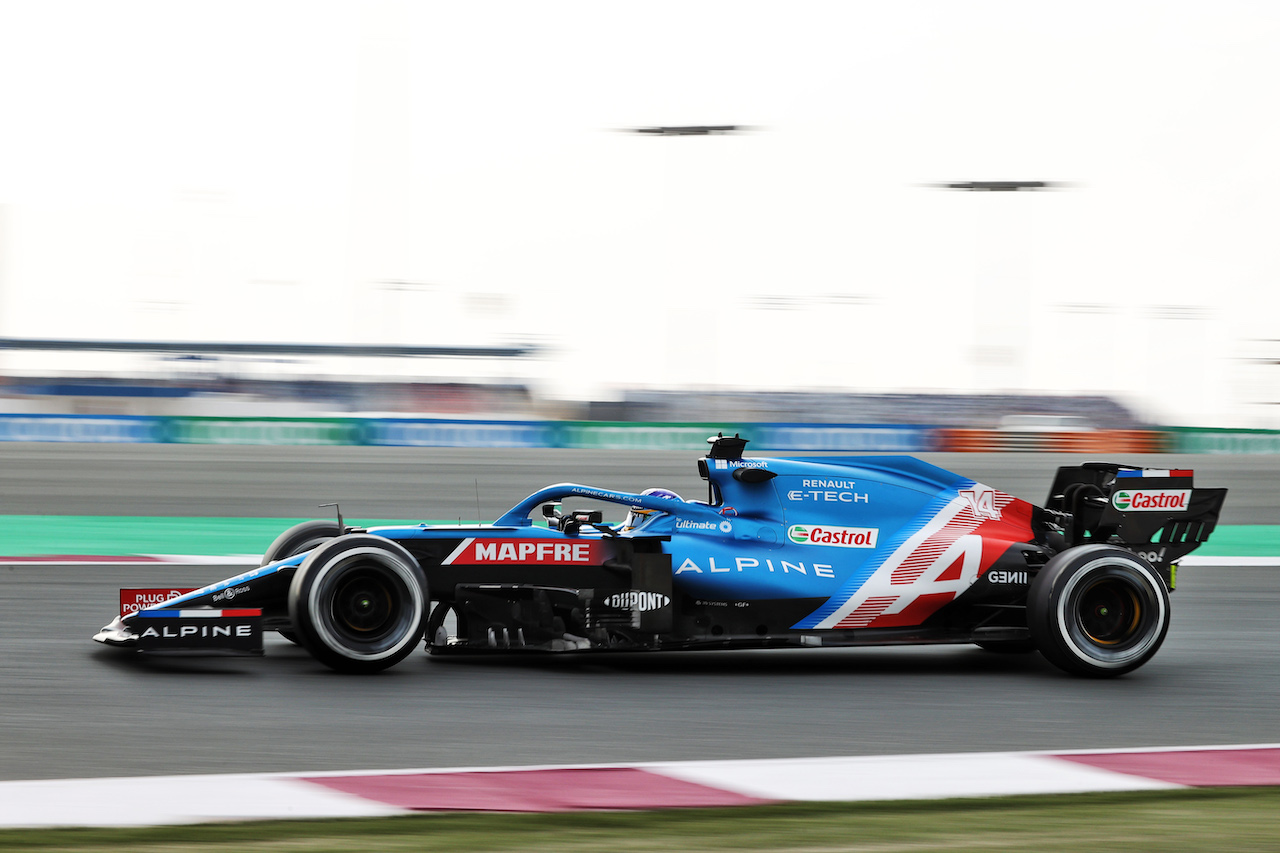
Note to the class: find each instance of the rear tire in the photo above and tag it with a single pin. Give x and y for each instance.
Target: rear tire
(358, 603)
(1098, 611)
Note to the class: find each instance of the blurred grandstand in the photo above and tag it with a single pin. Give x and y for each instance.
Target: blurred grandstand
(978, 411)
(231, 397)
(260, 398)
(238, 379)
(244, 379)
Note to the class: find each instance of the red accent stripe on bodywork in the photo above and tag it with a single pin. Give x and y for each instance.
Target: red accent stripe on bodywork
(917, 611)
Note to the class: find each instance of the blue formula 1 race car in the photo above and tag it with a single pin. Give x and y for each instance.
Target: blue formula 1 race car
(814, 551)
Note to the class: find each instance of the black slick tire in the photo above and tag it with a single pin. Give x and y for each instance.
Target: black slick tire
(358, 603)
(1098, 611)
(299, 538)
(295, 540)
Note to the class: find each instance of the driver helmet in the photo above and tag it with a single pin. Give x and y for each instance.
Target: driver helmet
(637, 515)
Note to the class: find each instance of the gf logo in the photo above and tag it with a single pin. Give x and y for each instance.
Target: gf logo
(983, 503)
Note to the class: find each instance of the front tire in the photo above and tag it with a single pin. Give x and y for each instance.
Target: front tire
(358, 603)
(1098, 611)
(297, 539)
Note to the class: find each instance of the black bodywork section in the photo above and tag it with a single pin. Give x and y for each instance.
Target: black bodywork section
(1081, 510)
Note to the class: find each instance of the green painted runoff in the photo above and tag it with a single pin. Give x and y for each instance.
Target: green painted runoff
(121, 536)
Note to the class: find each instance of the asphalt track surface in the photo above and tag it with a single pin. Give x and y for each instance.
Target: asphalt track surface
(70, 708)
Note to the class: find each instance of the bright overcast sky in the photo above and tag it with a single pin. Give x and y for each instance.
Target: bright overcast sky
(454, 172)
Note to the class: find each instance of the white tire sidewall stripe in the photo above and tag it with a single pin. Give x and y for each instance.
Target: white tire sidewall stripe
(383, 558)
(1063, 623)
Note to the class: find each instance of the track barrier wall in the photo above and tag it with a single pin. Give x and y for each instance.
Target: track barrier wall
(260, 431)
(1235, 441)
(619, 435)
(81, 428)
(1074, 441)
(433, 432)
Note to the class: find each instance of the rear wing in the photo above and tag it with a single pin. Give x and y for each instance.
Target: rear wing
(1157, 512)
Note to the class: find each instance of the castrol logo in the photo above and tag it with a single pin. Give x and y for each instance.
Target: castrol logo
(1164, 500)
(840, 537)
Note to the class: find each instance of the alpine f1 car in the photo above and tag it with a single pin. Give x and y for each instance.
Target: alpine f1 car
(814, 551)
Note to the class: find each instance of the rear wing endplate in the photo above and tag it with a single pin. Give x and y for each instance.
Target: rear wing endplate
(1137, 507)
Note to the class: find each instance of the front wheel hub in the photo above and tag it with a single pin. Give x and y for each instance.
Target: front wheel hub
(364, 604)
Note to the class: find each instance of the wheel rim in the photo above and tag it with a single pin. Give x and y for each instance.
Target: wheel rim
(364, 605)
(367, 604)
(1112, 614)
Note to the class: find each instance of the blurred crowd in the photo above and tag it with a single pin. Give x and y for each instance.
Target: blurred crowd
(225, 397)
